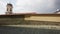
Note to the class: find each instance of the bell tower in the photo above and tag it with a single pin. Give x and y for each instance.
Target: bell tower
(9, 9)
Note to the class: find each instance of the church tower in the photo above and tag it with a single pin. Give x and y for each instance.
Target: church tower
(9, 9)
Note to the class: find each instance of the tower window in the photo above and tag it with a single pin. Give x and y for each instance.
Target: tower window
(7, 9)
(10, 9)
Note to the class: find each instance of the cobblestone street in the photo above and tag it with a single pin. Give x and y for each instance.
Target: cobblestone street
(29, 29)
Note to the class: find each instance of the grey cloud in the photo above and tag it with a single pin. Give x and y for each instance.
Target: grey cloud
(44, 7)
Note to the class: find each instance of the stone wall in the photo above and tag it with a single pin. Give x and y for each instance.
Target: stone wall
(11, 19)
(44, 18)
(29, 20)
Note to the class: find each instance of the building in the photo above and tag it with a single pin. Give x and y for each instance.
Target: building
(9, 8)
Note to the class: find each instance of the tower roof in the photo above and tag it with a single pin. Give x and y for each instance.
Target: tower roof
(10, 4)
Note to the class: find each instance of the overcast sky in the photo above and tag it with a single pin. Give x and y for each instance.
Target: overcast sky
(27, 6)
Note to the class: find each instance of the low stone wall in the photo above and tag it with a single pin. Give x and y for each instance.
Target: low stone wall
(44, 18)
(30, 19)
(15, 19)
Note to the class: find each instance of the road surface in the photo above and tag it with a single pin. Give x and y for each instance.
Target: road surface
(26, 30)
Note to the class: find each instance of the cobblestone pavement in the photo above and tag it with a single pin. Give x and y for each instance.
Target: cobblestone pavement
(26, 30)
